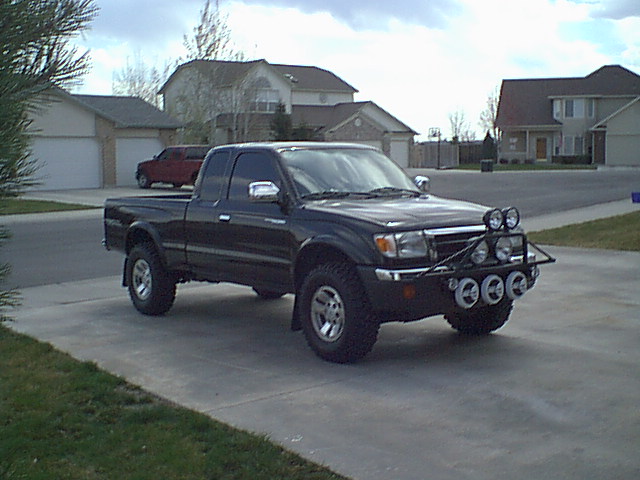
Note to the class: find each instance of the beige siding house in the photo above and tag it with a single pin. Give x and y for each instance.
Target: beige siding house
(93, 141)
(592, 119)
(235, 101)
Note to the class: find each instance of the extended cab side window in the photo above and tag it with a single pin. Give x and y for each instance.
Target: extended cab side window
(213, 177)
(251, 167)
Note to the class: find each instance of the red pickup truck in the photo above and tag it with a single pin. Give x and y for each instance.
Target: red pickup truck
(178, 165)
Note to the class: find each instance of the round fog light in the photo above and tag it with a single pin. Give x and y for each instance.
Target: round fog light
(511, 217)
(467, 293)
(493, 219)
(504, 249)
(492, 289)
(480, 253)
(516, 285)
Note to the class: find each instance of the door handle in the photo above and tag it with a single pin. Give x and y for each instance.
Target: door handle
(223, 217)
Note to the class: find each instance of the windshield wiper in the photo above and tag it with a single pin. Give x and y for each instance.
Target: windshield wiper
(332, 194)
(394, 191)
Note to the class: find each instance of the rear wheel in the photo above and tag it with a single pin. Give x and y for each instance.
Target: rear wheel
(152, 289)
(481, 320)
(335, 314)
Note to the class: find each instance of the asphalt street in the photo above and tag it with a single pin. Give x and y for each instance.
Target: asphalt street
(56, 248)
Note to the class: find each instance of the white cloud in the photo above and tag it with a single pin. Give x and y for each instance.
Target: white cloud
(417, 72)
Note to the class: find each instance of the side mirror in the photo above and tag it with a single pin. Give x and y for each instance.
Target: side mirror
(264, 192)
(423, 183)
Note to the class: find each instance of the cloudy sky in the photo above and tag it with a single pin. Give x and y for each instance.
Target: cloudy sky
(420, 60)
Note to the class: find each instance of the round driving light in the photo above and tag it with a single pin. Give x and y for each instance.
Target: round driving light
(504, 249)
(467, 293)
(511, 217)
(493, 219)
(492, 289)
(480, 253)
(516, 285)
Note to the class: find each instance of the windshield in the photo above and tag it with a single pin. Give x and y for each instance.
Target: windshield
(345, 171)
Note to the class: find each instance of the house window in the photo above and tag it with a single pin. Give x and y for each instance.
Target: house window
(557, 109)
(557, 144)
(591, 107)
(574, 108)
(578, 146)
(568, 108)
(267, 100)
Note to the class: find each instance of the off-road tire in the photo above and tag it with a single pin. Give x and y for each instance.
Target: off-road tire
(332, 298)
(482, 320)
(143, 180)
(152, 289)
(267, 294)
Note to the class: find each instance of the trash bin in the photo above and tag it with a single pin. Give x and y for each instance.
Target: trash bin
(486, 165)
(635, 197)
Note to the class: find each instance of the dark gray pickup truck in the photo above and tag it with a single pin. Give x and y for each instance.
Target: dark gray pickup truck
(342, 228)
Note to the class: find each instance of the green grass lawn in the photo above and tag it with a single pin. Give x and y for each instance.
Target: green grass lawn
(65, 419)
(499, 167)
(616, 233)
(14, 206)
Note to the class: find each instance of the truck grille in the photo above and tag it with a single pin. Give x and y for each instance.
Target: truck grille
(447, 241)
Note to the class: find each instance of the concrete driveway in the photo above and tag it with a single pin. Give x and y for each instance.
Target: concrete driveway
(554, 394)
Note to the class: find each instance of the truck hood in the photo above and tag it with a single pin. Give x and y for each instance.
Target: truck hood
(404, 213)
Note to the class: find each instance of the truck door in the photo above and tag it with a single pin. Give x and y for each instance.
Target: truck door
(255, 243)
(201, 229)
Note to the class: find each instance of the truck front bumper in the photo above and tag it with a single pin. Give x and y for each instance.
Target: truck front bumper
(412, 294)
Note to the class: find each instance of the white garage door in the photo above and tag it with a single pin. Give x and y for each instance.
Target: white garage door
(130, 152)
(67, 163)
(400, 152)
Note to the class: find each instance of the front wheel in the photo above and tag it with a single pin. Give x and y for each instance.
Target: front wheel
(143, 180)
(335, 314)
(482, 320)
(152, 289)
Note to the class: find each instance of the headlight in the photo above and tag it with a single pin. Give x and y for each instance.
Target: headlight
(511, 217)
(504, 249)
(480, 253)
(493, 219)
(402, 245)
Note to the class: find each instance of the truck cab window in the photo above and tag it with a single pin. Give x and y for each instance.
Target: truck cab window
(213, 176)
(251, 167)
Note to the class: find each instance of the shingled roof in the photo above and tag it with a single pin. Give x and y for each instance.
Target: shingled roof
(325, 117)
(225, 73)
(127, 112)
(527, 102)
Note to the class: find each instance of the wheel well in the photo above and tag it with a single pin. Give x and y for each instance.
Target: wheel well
(315, 255)
(137, 237)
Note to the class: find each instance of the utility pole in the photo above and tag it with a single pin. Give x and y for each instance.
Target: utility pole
(435, 132)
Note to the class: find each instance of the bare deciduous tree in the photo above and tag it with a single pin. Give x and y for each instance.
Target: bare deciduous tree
(460, 128)
(138, 79)
(489, 115)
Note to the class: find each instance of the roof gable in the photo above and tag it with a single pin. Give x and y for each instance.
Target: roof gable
(226, 73)
(329, 117)
(528, 101)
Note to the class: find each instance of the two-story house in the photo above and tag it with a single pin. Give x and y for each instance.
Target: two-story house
(235, 101)
(588, 119)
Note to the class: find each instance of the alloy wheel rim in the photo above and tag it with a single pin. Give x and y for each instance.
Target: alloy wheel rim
(142, 281)
(327, 314)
